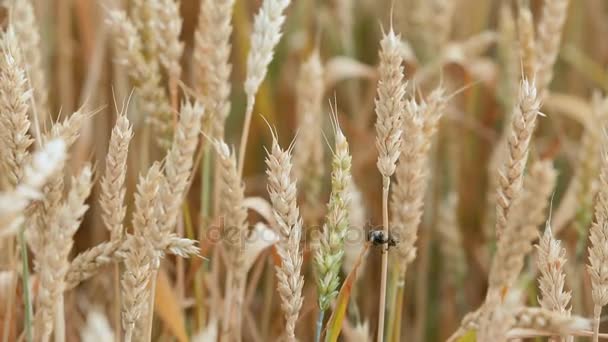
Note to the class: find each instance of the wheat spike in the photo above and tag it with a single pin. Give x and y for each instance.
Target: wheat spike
(551, 262)
(451, 247)
(44, 163)
(329, 256)
(167, 26)
(308, 152)
(112, 196)
(521, 230)
(548, 41)
(389, 104)
(144, 73)
(523, 122)
(212, 68)
(282, 191)
(139, 258)
(27, 32)
(52, 265)
(265, 36)
(178, 167)
(14, 122)
(420, 121)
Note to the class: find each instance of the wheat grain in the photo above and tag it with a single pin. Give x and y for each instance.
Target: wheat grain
(282, 191)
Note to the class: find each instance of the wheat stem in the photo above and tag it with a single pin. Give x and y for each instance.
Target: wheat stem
(381, 311)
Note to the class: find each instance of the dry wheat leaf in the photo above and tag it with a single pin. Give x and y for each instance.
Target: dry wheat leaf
(334, 325)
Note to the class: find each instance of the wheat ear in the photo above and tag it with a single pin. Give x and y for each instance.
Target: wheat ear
(513, 245)
(523, 122)
(548, 41)
(308, 152)
(551, 262)
(451, 247)
(212, 66)
(112, 196)
(598, 236)
(329, 255)
(144, 73)
(283, 196)
(389, 109)
(264, 38)
(140, 254)
(14, 122)
(179, 162)
(234, 213)
(44, 163)
(527, 40)
(27, 31)
(52, 259)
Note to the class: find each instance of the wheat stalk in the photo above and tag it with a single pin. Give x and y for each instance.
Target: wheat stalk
(264, 38)
(212, 68)
(282, 191)
(389, 108)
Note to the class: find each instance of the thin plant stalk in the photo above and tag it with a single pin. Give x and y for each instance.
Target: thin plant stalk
(227, 304)
(205, 211)
(150, 320)
(245, 135)
(320, 318)
(597, 312)
(117, 301)
(382, 308)
(59, 332)
(396, 322)
(27, 301)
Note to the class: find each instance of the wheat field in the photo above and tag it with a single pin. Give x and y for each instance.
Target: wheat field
(303, 170)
